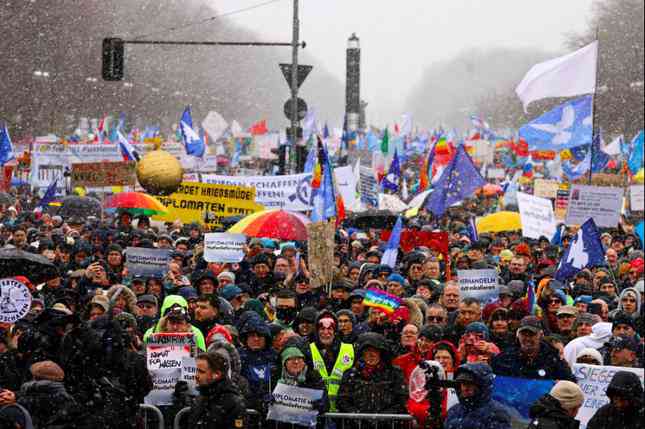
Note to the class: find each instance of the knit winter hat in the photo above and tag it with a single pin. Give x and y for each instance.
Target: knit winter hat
(592, 353)
(290, 353)
(568, 394)
(47, 370)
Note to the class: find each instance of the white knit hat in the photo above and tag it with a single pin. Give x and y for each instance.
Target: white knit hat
(568, 394)
(592, 353)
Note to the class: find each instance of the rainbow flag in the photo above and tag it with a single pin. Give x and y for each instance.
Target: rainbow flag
(382, 300)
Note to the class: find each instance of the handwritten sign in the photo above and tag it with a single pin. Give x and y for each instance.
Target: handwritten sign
(99, 174)
(166, 355)
(603, 204)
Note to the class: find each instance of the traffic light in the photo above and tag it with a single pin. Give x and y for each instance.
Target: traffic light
(113, 57)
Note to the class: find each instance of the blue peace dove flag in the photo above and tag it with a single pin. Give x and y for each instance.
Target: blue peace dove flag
(192, 141)
(568, 125)
(459, 181)
(391, 181)
(585, 250)
(6, 147)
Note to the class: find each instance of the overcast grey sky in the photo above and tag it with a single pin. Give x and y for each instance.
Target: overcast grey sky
(401, 38)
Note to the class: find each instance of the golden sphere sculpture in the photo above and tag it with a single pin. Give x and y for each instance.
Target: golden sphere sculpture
(159, 173)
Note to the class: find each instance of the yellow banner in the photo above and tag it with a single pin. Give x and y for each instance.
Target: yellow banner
(208, 204)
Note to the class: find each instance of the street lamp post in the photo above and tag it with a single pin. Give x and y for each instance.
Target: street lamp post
(294, 86)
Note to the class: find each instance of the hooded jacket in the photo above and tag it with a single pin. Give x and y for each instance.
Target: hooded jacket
(633, 291)
(479, 411)
(547, 413)
(382, 391)
(231, 354)
(600, 334)
(168, 302)
(627, 385)
(258, 366)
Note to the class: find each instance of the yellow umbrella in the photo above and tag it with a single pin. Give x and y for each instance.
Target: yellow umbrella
(639, 177)
(499, 222)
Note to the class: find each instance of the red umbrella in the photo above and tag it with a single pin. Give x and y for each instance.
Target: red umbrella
(278, 224)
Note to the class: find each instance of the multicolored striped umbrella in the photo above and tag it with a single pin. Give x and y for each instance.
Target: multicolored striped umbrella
(277, 224)
(135, 203)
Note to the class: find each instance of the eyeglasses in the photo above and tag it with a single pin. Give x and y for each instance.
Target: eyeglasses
(435, 318)
(499, 317)
(628, 300)
(555, 301)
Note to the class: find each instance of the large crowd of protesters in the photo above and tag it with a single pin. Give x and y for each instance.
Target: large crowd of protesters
(77, 360)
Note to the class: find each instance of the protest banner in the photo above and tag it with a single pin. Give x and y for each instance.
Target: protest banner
(545, 188)
(166, 354)
(15, 300)
(207, 204)
(99, 174)
(602, 204)
(537, 216)
(480, 284)
(368, 187)
(593, 380)
(146, 262)
(292, 192)
(294, 405)
(224, 248)
(50, 160)
(320, 247)
(637, 198)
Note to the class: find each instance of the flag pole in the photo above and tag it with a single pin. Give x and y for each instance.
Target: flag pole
(594, 115)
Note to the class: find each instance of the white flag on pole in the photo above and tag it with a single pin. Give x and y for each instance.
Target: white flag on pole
(614, 147)
(567, 76)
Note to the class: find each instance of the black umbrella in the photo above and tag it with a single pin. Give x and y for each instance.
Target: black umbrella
(7, 199)
(378, 219)
(36, 268)
(75, 206)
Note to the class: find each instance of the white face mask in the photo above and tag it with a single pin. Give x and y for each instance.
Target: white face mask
(273, 301)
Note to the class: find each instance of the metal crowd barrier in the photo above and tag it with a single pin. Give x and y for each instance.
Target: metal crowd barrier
(331, 420)
(159, 420)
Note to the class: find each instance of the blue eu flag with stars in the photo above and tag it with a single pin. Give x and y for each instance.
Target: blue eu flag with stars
(459, 181)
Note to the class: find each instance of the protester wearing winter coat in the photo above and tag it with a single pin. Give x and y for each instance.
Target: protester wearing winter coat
(297, 370)
(476, 408)
(558, 408)
(373, 385)
(534, 358)
(219, 404)
(169, 302)
(258, 362)
(46, 399)
(625, 409)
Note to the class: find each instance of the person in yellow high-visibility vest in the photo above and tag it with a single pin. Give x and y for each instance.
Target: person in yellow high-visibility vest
(330, 356)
